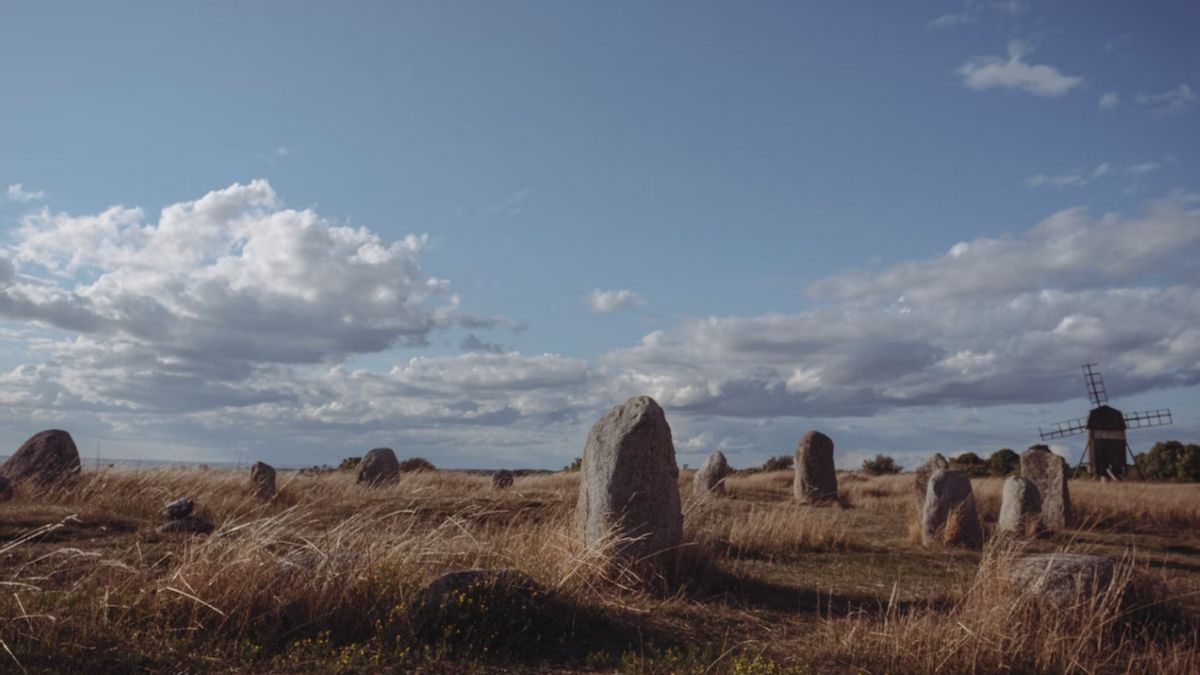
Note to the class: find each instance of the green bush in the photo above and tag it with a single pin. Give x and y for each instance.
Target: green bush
(413, 464)
(881, 465)
(778, 463)
(970, 464)
(575, 465)
(349, 464)
(1003, 462)
(1170, 460)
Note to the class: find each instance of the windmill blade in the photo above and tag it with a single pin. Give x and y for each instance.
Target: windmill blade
(1147, 418)
(1060, 429)
(1095, 385)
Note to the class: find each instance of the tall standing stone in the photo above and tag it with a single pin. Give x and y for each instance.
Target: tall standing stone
(629, 485)
(710, 478)
(379, 467)
(1048, 472)
(816, 478)
(47, 458)
(922, 474)
(262, 480)
(949, 516)
(1020, 507)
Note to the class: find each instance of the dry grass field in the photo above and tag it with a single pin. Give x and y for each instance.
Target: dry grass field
(319, 581)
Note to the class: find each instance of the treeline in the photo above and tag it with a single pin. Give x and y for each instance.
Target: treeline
(1170, 461)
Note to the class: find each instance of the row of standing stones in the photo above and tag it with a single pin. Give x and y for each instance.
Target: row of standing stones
(629, 496)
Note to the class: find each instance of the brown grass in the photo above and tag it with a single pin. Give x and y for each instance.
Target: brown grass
(319, 579)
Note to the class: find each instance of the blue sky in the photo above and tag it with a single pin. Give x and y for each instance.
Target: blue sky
(464, 230)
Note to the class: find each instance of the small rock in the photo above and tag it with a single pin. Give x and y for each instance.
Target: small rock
(710, 477)
(1062, 578)
(949, 516)
(502, 479)
(922, 474)
(1020, 507)
(187, 525)
(262, 480)
(816, 477)
(1048, 472)
(180, 508)
(47, 458)
(379, 467)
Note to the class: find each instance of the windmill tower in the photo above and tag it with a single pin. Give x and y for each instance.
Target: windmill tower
(1107, 447)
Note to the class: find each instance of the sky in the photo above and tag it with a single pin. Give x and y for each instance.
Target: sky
(295, 231)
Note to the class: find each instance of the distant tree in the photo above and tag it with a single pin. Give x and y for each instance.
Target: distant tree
(413, 464)
(575, 465)
(349, 464)
(970, 464)
(1188, 467)
(778, 463)
(881, 465)
(1003, 462)
(1162, 462)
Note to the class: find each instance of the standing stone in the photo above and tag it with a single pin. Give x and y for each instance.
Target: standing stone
(502, 479)
(6, 490)
(1020, 507)
(379, 467)
(949, 516)
(816, 479)
(47, 458)
(710, 478)
(921, 477)
(1048, 472)
(629, 486)
(262, 480)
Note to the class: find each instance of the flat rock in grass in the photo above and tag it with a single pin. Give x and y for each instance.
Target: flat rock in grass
(949, 516)
(629, 486)
(6, 490)
(262, 480)
(1048, 472)
(502, 479)
(1020, 507)
(48, 458)
(922, 474)
(816, 477)
(710, 477)
(379, 467)
(180, 508)
(187, 525)
(1062, 578)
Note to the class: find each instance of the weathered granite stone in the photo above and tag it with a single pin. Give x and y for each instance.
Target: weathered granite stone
(379, 467)
(816, 478)
(1048, 472)
(710, 477)
(1062, 578)
(1020, 507)
(949, 517)
(629, 486)
(48, 458)
(180, 508)
(262, 480)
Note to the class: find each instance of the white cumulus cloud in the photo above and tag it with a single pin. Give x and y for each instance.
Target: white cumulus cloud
(1170, 102)
(603, 302)
(987, 72)
(17, 193)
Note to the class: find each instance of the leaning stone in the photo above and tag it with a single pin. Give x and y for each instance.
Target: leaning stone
(1048, 472)
(949, 516)
(180, 508)
(629, 488)
(47, 458)
(922, 474)
(1020, 507)
(502, 479)
(710, 477)
(262, 480)
(816, 477)
(6, 490)
(1062, 578)
(379, 467)
(187, 525)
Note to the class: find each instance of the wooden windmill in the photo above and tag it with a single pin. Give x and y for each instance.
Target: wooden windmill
(1107, 448)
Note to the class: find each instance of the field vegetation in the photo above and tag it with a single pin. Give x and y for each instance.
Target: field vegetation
(321, 580)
